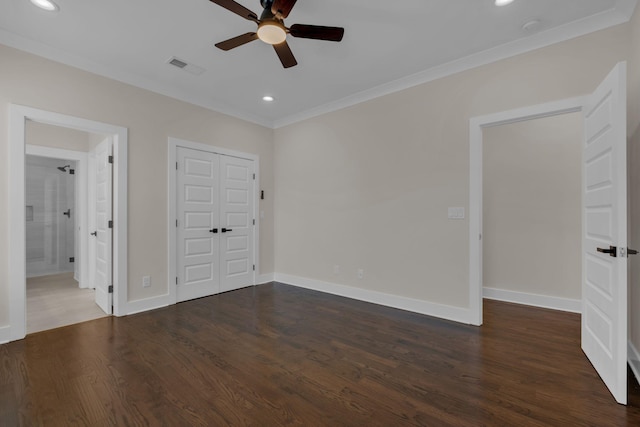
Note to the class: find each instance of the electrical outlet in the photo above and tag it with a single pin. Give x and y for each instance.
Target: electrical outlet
(146, 281)
(360, 273)
(336, 269)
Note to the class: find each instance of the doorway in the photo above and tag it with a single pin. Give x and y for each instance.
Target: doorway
(18, 118)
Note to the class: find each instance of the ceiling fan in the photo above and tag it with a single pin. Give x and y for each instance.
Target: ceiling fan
(271, 28)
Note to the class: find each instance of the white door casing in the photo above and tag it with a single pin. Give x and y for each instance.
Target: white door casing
(198, 217)
(103, 230)
(236, 214)
(604, 224)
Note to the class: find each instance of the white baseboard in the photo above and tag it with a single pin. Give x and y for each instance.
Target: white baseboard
(265, 278)
(633, 356)
(5, 334)
(138, 306)
(543, 301)
(456, 314)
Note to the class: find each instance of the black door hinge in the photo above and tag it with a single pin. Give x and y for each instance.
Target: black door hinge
(111, 289)
(254, 267)
(111, 159)
(254, 176)
(176, 280)
(72, 259)
(110, 224)
(254, 222)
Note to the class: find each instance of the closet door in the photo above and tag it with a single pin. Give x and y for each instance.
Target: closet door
(237, 218)
(198, 235)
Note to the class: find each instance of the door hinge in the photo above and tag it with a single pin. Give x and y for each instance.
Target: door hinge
(176, 165)
(72, 259)
(110, 224)
(254, 176)
(111, 159)
(176, 280)
(254, 222)
(111, 289)
(254, 267)
(176, 222)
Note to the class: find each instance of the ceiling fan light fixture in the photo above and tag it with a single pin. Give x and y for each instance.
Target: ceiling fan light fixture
(272, 32)
(47, 5)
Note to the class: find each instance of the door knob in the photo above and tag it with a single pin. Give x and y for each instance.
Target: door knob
(67, 213)
(612, 251)
(224, 230)
(213, 230)
(95, 233)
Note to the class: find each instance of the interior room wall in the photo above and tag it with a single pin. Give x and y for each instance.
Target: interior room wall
(532, 207)
(368, 187)
(56, 137)
(633, 158)
(33, 81)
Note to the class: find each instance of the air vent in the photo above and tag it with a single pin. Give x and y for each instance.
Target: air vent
(176, 62)
(183, 65)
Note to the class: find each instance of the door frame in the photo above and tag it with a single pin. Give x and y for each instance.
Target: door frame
(18, 115)
(81, 208)
(172, 261)
(476, 125)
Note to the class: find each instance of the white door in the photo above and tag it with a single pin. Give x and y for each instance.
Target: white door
(604, 224)
(103, 226)
(236, 214)
(198, 231)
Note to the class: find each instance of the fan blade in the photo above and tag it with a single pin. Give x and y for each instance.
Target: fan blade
(285, 54)
(236, 8)
(237, 41)
(317, 32)
(282, 7)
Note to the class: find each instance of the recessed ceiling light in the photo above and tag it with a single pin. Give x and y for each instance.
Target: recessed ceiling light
(503, 2)
(268, 98)
(47, 5)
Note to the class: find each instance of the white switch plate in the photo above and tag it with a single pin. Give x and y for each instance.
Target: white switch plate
(360, 273)
(146, 281)
(456, 213)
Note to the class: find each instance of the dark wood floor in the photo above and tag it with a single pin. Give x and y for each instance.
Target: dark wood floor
(277, 355)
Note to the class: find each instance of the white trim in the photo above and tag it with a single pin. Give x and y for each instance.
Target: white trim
(534, 300)
(476, 124)
(633, 356)
(265, 278)
(619, 14)
(147, 304)
(81, 202)
(5, 334)
(18, 115)
(172, 260)
(456, 314)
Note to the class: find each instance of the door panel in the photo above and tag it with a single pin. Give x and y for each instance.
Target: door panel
(236, 210)
(103, 237)
(604, 287)
(198, 213)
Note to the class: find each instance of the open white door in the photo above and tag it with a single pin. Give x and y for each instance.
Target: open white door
(604, 238)
(103, 226)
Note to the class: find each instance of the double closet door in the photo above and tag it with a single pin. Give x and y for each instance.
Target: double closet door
(215, 225)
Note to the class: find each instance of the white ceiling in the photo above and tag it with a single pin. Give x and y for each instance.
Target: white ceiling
(388, 45)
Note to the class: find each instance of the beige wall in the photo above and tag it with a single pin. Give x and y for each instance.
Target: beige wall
(369, 186)
(633, 153)
(532, 206)
(151, 118)
(57, 137)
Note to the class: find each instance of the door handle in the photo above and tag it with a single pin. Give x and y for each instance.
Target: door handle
(224, 230)
(67, 213)
(95, 233)
(612, 251)
(631, 252)
(213, 230)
